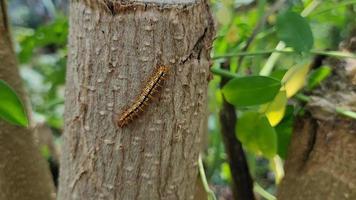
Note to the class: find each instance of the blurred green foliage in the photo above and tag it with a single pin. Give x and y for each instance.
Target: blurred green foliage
(42, 55)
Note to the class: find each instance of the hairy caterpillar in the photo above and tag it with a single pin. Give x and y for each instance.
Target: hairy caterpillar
(154, 84)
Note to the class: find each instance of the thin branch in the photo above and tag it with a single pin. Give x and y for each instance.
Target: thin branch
(347, 113)
(204, 181)
(246, 7)
(338, 54)
(242, 183)
(259, 189)
(223, 73)
(333, 7)
(258, 27)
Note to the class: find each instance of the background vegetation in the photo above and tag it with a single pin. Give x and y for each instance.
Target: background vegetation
(248, 40)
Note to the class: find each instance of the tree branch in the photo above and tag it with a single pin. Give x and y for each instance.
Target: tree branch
(242, 184)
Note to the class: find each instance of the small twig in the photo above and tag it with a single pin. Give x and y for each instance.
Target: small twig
(263, 192)
(338, 54)
(223, 73)
(258, 27)
(204, 181)
(333, 7)
(347, 113)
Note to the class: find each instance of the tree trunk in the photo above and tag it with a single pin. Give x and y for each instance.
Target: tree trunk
(113, 47)
(321, 163)
(24, 174)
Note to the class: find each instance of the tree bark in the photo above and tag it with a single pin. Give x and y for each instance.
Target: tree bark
(321, 162)
(24, 174)
(113, 47)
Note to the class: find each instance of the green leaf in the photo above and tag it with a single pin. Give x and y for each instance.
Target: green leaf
(278, 74)
(266, 138)
(284, 132)
(246, 130)
(54, 34)
(294, 79)
(275, 109)
(11, 108)
(317, 76)
(256, 134)
(295, 31)
(251, 90)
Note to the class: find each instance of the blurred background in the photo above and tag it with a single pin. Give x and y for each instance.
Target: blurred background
(40, 28)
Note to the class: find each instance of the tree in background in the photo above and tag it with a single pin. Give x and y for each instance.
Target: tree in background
(24, 174)
(320, 162)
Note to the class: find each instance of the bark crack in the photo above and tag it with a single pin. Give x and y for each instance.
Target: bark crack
(110, 6)
(78, 177)
(311, 143)
(197, 48)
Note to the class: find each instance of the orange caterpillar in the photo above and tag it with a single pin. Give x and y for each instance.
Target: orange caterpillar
(152, 87)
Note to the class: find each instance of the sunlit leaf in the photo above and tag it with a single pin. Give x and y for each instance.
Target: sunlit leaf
(295, 31)
(266, 137)
(251, 90)
(225, 171)
(256, 133)
(317, 76)
(294, 79)
(11, 108)
(277, 165)
(275, 109)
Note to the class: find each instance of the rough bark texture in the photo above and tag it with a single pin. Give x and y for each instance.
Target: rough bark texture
(24, 174)
(321, 162)
(114, 47)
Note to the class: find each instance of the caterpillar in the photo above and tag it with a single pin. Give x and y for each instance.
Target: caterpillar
(153, 86)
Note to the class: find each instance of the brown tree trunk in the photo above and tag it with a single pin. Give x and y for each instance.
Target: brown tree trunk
(24, 174)
(321, 163)
(114, 47)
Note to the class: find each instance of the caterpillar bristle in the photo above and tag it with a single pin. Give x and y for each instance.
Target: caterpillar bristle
(148, 93)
